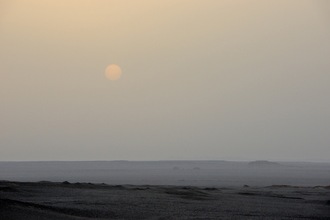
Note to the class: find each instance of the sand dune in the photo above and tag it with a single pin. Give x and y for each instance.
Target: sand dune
(49, 200)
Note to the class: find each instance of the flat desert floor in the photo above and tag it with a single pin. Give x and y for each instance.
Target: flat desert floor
(51, 200)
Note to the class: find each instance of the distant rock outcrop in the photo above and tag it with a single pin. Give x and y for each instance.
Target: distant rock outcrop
(66, 183)
(263, 163)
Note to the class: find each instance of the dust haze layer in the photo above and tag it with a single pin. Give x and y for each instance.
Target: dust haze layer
(183, 173)
(243, 80)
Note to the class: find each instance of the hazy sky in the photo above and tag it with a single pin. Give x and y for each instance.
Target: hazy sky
(215, 79)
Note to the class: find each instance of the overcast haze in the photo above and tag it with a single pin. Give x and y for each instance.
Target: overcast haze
(234, 80)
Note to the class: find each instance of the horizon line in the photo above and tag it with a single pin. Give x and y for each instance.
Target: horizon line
(169, 160)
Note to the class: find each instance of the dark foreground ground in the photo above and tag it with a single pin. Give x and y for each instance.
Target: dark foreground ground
(47, 200)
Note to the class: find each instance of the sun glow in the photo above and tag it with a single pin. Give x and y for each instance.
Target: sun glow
(113, 72)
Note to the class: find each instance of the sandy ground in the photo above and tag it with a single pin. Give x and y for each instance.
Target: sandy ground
(48, 200)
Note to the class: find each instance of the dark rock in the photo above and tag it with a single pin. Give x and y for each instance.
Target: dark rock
(66, 183)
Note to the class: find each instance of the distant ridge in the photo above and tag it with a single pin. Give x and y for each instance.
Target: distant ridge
(263, 163)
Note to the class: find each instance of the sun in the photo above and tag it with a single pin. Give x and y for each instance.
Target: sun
(113, 72)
